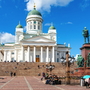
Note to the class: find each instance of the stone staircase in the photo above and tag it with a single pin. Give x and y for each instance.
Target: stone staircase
(31, 69)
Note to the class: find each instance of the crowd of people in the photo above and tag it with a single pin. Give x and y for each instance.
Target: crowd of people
(51, 79)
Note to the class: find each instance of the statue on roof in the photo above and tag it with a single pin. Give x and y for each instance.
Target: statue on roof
(85, 33)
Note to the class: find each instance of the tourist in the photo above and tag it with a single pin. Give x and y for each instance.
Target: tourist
(87, 82)
(11, 73)
(14, 74)
(43, 74)
(38, 67)
(46, 75)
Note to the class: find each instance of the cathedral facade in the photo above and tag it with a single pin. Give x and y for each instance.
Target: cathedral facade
(33, 45)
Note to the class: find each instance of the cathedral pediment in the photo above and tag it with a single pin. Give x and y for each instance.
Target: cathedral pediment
(37, 39)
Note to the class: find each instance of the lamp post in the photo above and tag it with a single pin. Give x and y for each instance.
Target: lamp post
(67, 62)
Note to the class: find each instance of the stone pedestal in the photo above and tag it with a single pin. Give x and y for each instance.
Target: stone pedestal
(81, 71)
(85, 49)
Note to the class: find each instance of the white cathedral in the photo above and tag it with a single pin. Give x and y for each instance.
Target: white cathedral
(33, 45)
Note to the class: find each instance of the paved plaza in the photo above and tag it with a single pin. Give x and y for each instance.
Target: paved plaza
(32, 83)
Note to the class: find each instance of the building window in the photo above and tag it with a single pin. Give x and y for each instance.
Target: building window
(57, 59)
(34, 22)
(38, 27)
(34, 26)
(30, 26)
(57, 53)
(37, 56)
(12, 52)
(12, 59)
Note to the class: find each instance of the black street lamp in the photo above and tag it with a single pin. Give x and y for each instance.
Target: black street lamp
(67, 62)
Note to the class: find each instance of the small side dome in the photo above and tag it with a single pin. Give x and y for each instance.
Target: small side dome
(52, 27)
(19, 26)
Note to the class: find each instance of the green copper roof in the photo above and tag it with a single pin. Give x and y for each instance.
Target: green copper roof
(19, 26)
(34, 12)
(52, 27)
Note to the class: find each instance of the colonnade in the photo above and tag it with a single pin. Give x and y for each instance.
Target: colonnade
(46, 53)
(34, 54)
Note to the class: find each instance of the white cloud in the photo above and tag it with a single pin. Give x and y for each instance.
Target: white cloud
(6, 37)
(84, 4)
(66, 23)
(47, 24)
(45, 5)
(69, 23)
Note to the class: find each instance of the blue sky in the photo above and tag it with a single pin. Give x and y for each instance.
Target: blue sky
(68, 16)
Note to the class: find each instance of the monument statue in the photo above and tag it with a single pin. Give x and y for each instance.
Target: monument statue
(80, 61)
(85, 33)
(88, 61)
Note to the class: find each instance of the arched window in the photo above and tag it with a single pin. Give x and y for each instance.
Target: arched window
(30, 26)
(34, 26)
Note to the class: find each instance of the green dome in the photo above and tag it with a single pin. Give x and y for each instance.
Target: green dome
(52, 27)
(19, 26)
(34, 12)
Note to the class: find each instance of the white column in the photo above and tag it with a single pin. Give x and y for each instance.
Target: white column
(56, 56)
(15, 57)
(22, 56)
(5, 55)
(53, 54)
(31, 58)
(1, 57)
(60, 56)
(9, 56)
(28, 58)
(47, 59)
(41, 54)
(34, 54)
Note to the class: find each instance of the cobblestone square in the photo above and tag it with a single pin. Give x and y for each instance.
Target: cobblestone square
(32, 83)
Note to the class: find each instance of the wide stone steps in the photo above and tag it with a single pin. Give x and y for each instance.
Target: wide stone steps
(31, 69)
